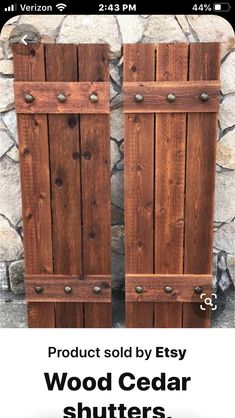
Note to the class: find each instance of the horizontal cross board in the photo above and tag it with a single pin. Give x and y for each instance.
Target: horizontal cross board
(167, 287)
(62, 97)
(64, 288)
(171, 97)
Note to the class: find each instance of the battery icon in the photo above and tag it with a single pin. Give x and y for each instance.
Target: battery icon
(221, 7)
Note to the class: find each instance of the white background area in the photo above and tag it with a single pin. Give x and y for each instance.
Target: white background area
(209, 362)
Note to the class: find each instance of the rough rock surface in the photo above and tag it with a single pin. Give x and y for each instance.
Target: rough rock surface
(155, 30)
(213, 28)
(224, 238)
(16, 274)
(118, 239)
(117, 185)
(7, 96)
(92, 29)
(227, 112)
(6, 67)
(9, 235)
(46, 24)
(115, 154)
(117, 124)
(13, 153)
(5, 143)
(10, 206)
(9, 119)
(131, 29)
(225, 196)
(228, 76)
(226, 151)
(3, 277)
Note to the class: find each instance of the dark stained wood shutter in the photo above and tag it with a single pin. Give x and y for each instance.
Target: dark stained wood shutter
(170, 151)
(65, 178)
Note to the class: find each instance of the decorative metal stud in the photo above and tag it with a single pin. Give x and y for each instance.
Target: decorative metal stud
(204, 97)
(39, 289)
(139, 289)
(198, 290)
(168, 289)
(93, 98)
(139, 98)
(97, 290)
(61, 97)
(68, 289)
(29, 98)
(171, 98)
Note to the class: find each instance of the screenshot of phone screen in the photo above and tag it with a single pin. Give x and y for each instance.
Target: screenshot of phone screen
(117, 167)
(28, 25)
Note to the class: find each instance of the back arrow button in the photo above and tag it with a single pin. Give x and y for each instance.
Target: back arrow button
(23, 39)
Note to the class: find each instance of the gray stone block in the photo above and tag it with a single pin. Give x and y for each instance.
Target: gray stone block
(16, 274)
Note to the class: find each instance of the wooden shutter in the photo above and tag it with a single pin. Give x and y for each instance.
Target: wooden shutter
(170, 151)
(65, 179)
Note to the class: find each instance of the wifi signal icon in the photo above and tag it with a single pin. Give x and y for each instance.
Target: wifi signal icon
(61, 6)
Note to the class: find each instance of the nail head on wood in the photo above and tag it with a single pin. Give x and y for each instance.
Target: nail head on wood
(29, 98)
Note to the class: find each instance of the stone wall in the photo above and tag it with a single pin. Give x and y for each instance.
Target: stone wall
(114, 30)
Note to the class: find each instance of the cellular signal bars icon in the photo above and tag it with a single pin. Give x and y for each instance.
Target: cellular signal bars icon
(11, 8)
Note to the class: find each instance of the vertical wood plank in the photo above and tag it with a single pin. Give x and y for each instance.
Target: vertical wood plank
(41, 315)
(65, 182)
(35, 182)
(171, 65)
(95, 175)
(139, 65)
(200, 179)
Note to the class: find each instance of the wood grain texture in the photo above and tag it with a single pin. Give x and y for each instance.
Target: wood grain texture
(171, 276)
(54, 276)
(183, 240)
(45, 94)
(187, 95)
(139, 64)
(95, 172)
(154, 284)
(65, 180)
(53, 289)
(35, 183)
(41, 315)
(63, 158)
(200, 178)
(172, 64)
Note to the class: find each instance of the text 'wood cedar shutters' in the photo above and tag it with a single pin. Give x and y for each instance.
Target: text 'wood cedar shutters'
(171, 94)
(62, 102)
